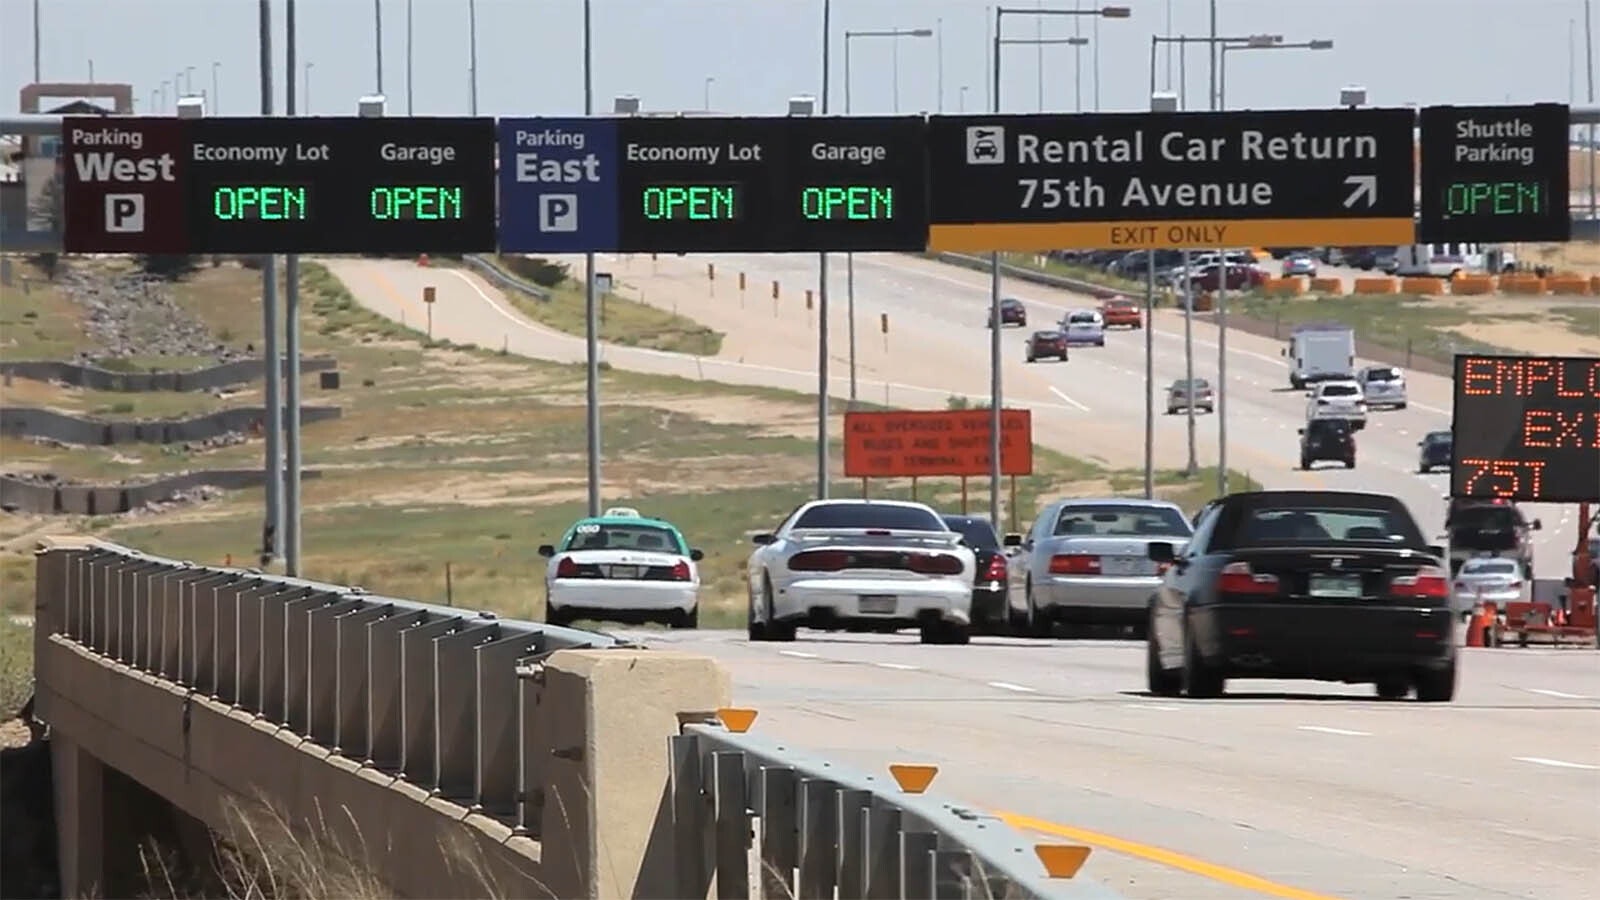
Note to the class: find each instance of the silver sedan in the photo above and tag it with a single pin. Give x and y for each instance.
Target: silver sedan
(1085, 562)
(1487, 580)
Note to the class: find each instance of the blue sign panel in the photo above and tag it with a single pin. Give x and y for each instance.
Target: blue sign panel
(558, 185)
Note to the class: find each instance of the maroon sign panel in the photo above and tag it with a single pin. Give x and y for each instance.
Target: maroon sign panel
(123, 185)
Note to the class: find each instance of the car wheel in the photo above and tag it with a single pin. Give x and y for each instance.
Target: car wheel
(755, 629)
(1100, 343)
(1160, 682)
(1393, 687)
(1172, 410)
(1350, 463)
(1400, 406)
(558, 616)
(1305, 463)
(1038, 626)
(681, 619)
(1199, 681)
(776, 630)
(1029, 359)
(1423, 470)
(1437, 685)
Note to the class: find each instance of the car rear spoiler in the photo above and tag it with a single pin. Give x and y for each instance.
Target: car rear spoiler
(874, 537)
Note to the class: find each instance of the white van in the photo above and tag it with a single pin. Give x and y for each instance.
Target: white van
(1448, 260)
(1320, 352)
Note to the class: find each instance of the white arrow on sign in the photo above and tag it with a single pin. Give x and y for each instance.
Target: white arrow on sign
(1363, 186)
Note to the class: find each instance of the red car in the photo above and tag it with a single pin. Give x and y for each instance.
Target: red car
(1046, 345)
(1122, 311)
(1240, 278)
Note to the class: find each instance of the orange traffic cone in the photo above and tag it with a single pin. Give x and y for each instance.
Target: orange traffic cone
(1475, 627)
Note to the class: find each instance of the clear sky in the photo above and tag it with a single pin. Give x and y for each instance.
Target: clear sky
(760, 52)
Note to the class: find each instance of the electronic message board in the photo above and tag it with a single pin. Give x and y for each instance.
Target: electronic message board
(1495, 173)
(340, 185)
(1526, 428)
(1331, 177)
(713, 184)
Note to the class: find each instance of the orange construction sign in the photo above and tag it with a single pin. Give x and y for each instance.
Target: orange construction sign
(934, 443)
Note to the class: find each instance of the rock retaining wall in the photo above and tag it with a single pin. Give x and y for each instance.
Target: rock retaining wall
(30, 496)
(211, 378)
(31, 422)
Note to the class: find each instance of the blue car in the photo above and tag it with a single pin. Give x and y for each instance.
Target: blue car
(1084, 326)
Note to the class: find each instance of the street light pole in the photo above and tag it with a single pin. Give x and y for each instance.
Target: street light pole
(409, 21)
(272, 359)
(377, 39)
(707, 104)
(823, 380)
(591, 312)
(216, 94)
(291, 335)
(472, 56)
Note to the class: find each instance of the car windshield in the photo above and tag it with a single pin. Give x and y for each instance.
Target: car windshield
(1120, 520)
(611, 536)
(976, 532)
(1319, 524)
(871, 515)
(1010, 303)
(1119, 304)
(1340, 390)
(1485, 518)
(1198, 384)
(1046, 335)
(1383, 373)
(1081, 318)
(1489, 567)
(1439, 437)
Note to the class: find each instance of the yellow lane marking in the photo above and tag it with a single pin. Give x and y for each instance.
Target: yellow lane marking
(1223, 874)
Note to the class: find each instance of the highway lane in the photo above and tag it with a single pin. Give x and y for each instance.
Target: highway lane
(1319, 790)
(1101, 388)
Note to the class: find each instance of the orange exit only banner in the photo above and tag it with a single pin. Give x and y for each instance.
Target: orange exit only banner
(1028, 237)
(935, 443)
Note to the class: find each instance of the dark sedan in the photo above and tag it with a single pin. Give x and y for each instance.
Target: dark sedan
(1012, 312)
(1317, 585)
(989, 583)
(1436, 448)
(1047, 345)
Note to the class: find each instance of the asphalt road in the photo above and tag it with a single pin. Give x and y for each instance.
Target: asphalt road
(1293, 790)
(1283, 789)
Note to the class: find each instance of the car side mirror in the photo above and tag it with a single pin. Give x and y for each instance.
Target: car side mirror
(1438, 550)
(1013, 540)
(1537, 524)
(1161, 551)
(1299, 431)
(761, 540)
(696, 555)
(547, 550)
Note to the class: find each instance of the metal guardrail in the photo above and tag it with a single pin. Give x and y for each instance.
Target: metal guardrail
(444, 697)
(493, 273)
(820, 830)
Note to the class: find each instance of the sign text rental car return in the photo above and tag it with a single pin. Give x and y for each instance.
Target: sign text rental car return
(935, 443)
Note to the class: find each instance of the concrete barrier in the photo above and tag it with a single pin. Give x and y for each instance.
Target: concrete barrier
(1523, 285)
(1334, 286)
(1288, 286)
(1425, 285)
(1472, 285)
(32, 422)
(1570, 286)
(211, 378)
(22, 495)
(1382, 285)
(452, 753)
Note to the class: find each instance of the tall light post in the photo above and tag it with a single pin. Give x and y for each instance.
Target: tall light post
(798, 106)
(216, 93)
(188, 81)
(272, 524)
(472, 61)
(1222, 280)
(308, 67)
(1161, 102)
(1041, 43)
(996, 394)
(1184, 40)
(894, 35)
(377, 41)
(961, 99)
(591, 310)
(410, 20)
(710, 80)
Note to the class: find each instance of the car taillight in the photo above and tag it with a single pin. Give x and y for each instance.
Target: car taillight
(1074, 564)
(997, 569)
(1429, 581)
(1516, 585)
(1239, 578)
(819, 561)
(566, 568)
(934, 564)
(680, 571)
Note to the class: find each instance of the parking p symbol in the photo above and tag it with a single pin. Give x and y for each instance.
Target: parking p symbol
(558, 212)
(124, 213)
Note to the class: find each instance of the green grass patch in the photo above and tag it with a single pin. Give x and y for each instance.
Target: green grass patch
(1584, 320)
(37, 320)
(1413, 324)
(622, 321)
(16, 664)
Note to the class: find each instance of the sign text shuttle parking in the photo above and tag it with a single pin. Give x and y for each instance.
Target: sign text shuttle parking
(1171, 180)
(558, 185)
(123, 185)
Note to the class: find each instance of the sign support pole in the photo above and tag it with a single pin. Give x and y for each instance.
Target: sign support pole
(591, 322)
(1149, 375)
(272, 528)
(1222, 377)
(291, 349)
(995, 395)
(963, 495)
(1188, 359)
(822, 301)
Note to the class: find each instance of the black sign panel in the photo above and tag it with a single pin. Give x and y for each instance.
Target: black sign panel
(341, 185)
(1527, 428)
(1495, 173)
(771, 185)
(1144, 180)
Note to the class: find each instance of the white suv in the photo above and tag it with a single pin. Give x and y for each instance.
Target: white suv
(1383, 386)
(1342, 399)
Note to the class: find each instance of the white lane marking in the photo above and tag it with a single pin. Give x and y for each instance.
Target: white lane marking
(1008, 686)
(1323, 729)
(1152, 706)
(1057, 391)
(712, 362)
(904, 667)
(1560, 695)
(1555, 763)
(797, 654)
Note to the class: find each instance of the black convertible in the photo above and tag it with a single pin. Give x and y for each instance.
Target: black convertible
(1319, 585)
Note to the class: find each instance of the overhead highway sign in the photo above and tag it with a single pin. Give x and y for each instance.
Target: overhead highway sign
(1171, 180)
(714, 184)
(1526, 428)
(340, 185)
(1495, 173)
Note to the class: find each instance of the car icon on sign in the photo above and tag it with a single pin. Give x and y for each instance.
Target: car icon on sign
(986, 145)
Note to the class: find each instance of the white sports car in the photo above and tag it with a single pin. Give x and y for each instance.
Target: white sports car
(877, 565)
(622, 567)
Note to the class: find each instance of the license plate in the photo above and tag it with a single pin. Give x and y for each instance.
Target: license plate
(624, 571)
(1126, 565)
(1342, 586)
(876, 604)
